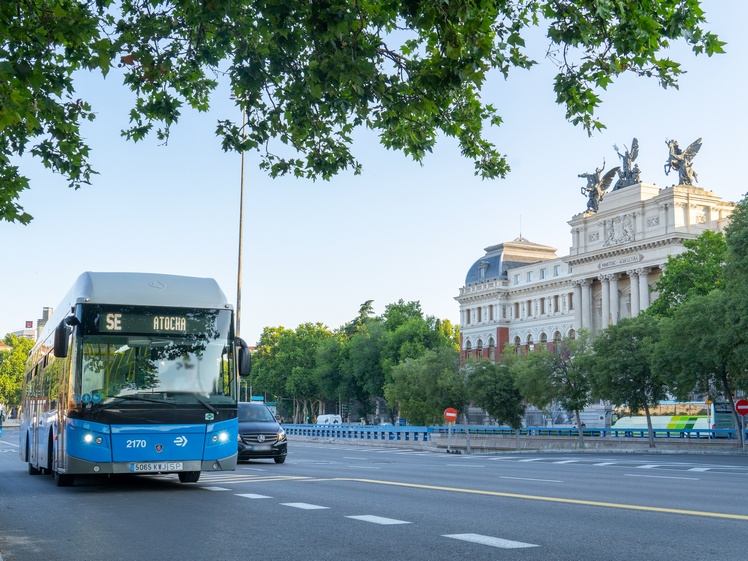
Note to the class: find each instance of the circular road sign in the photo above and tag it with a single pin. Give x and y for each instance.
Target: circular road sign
(741, 406)
(450, 414)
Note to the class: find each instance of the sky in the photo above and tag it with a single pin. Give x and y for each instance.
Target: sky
(315, 251)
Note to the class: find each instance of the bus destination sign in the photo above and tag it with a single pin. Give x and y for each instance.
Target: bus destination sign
(117, 322)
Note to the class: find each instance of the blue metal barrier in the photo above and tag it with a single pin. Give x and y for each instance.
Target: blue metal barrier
(362, 432)
(424, 434)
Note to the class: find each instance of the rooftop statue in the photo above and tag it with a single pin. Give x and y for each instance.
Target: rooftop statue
(597, 184)
(681, 160)
(629, 173)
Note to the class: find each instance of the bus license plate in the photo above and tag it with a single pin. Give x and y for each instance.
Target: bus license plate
(156, 466)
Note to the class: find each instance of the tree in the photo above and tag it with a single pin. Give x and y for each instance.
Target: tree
(12, 368)
(696, 271)
(560, 376)
(308, 74)
(700, 348)
(622, 367)
(494, 389)
(422, 388)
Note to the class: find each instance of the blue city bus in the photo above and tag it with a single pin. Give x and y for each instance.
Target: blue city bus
(134, 373)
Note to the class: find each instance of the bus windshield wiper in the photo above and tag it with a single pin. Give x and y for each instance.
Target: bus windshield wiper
(129, 398)
(208, 406)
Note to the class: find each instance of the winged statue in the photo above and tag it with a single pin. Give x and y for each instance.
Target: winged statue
(629, 173)
(597, 184)
(680, 160)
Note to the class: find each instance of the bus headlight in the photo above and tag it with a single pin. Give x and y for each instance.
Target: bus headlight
(222, 436)
(88, 438)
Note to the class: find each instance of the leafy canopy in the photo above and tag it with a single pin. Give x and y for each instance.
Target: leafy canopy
(308, 74)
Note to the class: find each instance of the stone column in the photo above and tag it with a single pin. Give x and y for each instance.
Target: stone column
(605, 300)
(634, 277)
(643, 289)
(577, 305)
(587, 304)
(615, 305)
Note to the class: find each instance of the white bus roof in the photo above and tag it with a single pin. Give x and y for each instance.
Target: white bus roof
(147, 289)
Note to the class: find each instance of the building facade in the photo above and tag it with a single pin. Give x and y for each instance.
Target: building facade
(521, 293)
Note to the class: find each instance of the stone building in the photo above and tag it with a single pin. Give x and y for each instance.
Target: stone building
(522, 293)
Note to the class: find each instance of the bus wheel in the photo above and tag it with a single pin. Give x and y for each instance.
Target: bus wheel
(189, 476)
(64, 479)
(32, 469)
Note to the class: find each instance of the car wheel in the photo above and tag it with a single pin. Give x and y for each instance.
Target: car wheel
(280, 459)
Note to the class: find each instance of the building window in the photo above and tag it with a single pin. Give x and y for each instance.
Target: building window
(542, 274)
(571, 300)
(479, 311)
(516, 310)
(555, 304)
(556, 270)
(516, 279)
(490, 313)
(529, 276)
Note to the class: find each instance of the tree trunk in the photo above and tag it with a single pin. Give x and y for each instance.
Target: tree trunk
(467, 432)
(649, 425)
(736, 416)
(580, 428)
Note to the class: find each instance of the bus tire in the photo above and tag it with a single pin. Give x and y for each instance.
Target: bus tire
(32, 470)
(189, 476)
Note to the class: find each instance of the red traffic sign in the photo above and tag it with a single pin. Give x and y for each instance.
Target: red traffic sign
(741, 406)
(450, 414)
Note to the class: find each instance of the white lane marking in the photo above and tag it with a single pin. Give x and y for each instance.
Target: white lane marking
(530, 479)
(699, 469)
(465, 465)
(566, 462)
(489, 540)
(363, 467)
(601, 464)
(305, 506)
(661, 477)
(377, 519)
(648, 466)
(215, 488)
(530, 460)
(252, 496)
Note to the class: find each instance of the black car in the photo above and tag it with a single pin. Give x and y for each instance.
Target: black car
(260, 434)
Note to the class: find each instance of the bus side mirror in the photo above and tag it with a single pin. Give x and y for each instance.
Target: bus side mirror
(244, 358)
(62, 336)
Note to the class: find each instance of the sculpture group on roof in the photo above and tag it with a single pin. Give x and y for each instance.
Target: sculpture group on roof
(629, 173)
(680, 160)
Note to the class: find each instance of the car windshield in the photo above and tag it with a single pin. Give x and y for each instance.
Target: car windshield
(254, 412)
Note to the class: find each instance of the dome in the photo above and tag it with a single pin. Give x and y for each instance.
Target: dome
(505, 256)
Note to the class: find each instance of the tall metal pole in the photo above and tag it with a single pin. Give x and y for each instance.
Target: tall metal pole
(241, 223)
(241, 236)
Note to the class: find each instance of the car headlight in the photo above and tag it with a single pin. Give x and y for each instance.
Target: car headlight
(281, 435)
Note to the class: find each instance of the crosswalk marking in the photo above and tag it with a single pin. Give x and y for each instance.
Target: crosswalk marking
(215, 488)
(377, 520)
(489, 540)
(252, 496)
(306, 506)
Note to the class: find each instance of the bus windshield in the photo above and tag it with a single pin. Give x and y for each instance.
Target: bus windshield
(171, 355)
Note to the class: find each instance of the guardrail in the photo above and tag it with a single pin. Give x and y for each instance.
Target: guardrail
(425, 434)
(362, 432)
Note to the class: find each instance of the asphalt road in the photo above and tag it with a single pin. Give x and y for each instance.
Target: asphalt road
(332, 502)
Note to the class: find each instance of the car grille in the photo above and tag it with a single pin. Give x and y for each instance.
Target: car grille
(270, 438)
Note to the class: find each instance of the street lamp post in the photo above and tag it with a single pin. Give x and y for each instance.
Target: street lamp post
(241, 223)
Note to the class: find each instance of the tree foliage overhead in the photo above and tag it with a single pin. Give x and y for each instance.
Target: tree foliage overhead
(309, 74)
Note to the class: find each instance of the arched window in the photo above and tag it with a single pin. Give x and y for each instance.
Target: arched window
(491, 347)
(543, 340)
(479, 349)
(572, 334)
(518, 345)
